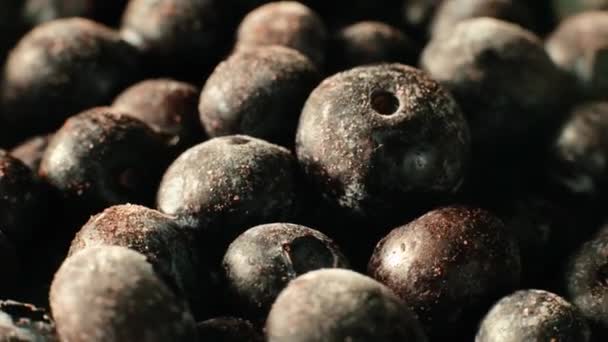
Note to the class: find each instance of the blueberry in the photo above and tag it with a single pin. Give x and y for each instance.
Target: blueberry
(340, 305)
(60, 68)
(228, 184)
(448, 264)
(102, 157)
(370, 42)
(258, 92)
(9, 267)
(30, 152)
(22, 322)
(171, 249)
(114, 294)
(262, 260)
(376, 139)
(228, 329)
(169, 107)
(501, 76)
(586, 59)
(287, 23)
(533, 315)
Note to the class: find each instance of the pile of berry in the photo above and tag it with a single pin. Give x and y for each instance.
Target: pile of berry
(331, 171)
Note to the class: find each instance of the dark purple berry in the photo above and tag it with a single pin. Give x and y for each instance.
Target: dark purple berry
(102, 157)
(169, 107)
(9, 267)
(262, 261)
(21, 322)
(114, 294)
(450, 13)
(61, 68)
(30, 152)
(501, 76)
(170, 249)
(375, 139)
(259, 92)
(228, 329)
(340, 305)
(533, 315)
(370, 42)
(228, 184)
(287, 23)
(447, 265)
(36, 12)
(579, 45)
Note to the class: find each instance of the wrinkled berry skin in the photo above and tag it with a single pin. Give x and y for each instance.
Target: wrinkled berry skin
(533, 315)
(500, 75)
(586, 59)
(374, 139)
(9, 266)
(450, 13)
(586, 280)
(228, 184)
(36, 12)
(275, 254)
(169, 107)
(171, 249)
(579, 151)
(23, 200)
(286, 23)
(61, 68)
(370, 42)
(566, 8)
(258, 92)
(228, 329)
(114, 294)
(340, 305)
(22, 322)
(182, 38)
(448, 264)
(102, 157)
(30, 152)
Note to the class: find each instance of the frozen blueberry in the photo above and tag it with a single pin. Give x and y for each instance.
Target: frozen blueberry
(370, 42)
(287, 23)
(30, 152)
(376, 139)
(20, 322)
(36, 12)
(228, 184)
(114, 294)
(450, 13)
(579, 45)
(102, 157)
(340, 305)
(533, 315)
(262, 260)
(258, 92)
(228, 329)
(448, 264)
(9, 267)
(171, 249)
(183, 38)
(501, 76)
(566, 8)
(60, 68)
(169, 107)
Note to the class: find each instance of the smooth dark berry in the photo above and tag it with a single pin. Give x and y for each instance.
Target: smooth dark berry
(30, 152)
(102, 157)
(228, 329)
(579, 46)
(533, 315)
(375, 139)
(262, 261)
(114, 294)
(448, 264)
(287, 23)
(370, 42)
(169, 107)
(259, 92)
(340, 305)
(61, 68)
(502, 78)
(20, 322)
